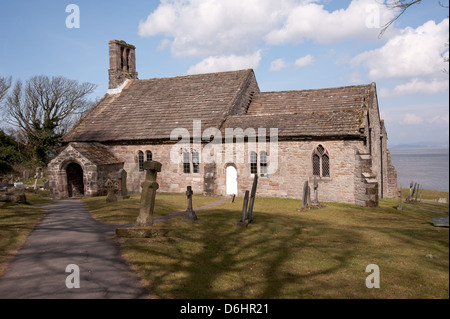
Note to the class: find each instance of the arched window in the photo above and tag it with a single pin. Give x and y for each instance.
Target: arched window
(263, 162)
(149, 156)
(253, 163)
(186, 163)
(195, 162)
(321, 162)
(141, 161)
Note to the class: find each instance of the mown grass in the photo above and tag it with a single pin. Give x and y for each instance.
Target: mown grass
(286, 253)
(126, 211)
(17, 221)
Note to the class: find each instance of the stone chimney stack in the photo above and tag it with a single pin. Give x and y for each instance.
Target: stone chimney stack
(122, 63)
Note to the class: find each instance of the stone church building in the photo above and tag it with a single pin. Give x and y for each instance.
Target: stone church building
(333, 134)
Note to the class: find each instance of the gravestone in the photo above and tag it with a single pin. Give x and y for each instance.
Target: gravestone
(417, 192)
(46, 184)
(36, 184)
(190, 214)
(110, 195)
(143, 227)
(19, 185)
(122, 185)
(26, 175)
(440, 221)
(305, 197)
(243, 221)
(3, 187)
(410, 191)
(252, 200)
(400, 207)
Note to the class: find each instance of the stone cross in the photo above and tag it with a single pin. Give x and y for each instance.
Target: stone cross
(316, 192)
(190, 214)
(400, 207)
(243, 220)
(110, 196)
(148, 195)
(122, 183)
(252, 199)
(417, 192)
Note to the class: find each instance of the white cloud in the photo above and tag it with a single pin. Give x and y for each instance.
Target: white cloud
(209, 27)
(278, 64)
(412, 53)
(304, 61)
(362, 19)
(226, 63)
(440, 119)
(412, 119)
(416, 86)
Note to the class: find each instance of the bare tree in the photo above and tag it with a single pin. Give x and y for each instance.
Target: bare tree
(401, 5)
(43, 107)
(5, 84)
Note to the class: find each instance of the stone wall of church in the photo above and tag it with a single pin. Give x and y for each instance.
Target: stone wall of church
(294, 167)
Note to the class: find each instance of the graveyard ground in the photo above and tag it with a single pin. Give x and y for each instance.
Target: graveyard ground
(285, 253)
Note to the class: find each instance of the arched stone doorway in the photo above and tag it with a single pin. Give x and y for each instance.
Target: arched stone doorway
(75, 182)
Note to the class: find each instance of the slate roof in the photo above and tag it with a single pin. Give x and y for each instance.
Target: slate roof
(151, 109)
(96, 153)
(326, 112)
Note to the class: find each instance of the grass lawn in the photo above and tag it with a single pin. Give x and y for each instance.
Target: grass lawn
(285, 253)
(17, 221)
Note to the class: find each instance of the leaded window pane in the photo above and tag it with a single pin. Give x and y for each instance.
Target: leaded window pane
(141, 160)
(325, 166)
(316, 165)
(186, 163)
(253, 163)
(149, 156)
(263, 162)
(195, 162)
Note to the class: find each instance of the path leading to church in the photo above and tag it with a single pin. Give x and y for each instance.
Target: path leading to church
(68, 235)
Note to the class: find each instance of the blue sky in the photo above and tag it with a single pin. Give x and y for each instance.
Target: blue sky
(291, 45)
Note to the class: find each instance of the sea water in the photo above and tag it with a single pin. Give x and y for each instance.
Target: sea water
(428, 167)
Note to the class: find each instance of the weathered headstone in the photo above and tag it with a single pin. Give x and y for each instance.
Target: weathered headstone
(440, 221)
(122, 185)
(36, 184)
(26, 175)
(420, 193)
(46, 184)
(110, 195)
(410, 191)
(19, 185)
(400, 207)
(148, 195)
(417, 192)
(3, 187)
(190, 214)
(252, 199)
(305, 196)
(243, 221)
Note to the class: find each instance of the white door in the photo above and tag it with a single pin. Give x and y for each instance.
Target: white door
(231, 180)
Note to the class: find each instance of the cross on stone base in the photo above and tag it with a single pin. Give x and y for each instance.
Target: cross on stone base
(149, 187)
(190, 214)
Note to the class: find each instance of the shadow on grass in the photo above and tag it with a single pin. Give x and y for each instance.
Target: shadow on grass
(217, 259)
